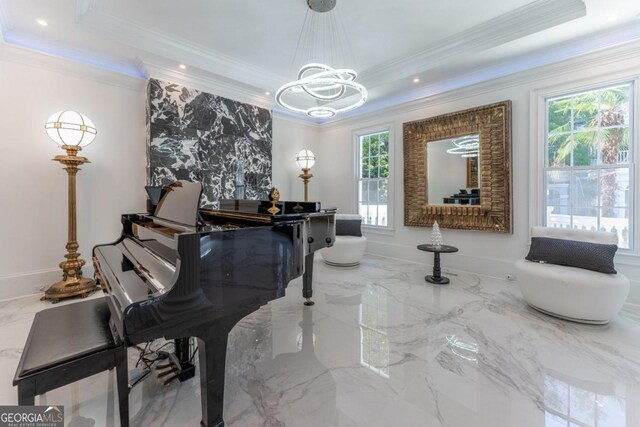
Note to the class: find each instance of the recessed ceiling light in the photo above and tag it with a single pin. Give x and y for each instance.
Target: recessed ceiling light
(183, 67)
(613, 17)
(267, 93)
(416, 80)
(42, 22)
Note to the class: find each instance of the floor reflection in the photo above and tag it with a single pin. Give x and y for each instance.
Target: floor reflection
(570, 402)
(373, 319)
(315, 402)
(463, 349)
(379, 349)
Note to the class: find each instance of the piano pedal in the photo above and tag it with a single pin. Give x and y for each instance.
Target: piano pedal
(170, 380)
(181, 371)
(309, 302)
(165, 372)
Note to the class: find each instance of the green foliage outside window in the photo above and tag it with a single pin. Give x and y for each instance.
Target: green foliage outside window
(591, 129)
(375, 155)
(373, 182)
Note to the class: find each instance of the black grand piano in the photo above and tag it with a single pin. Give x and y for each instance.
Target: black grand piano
(184, 272)
(464, 197)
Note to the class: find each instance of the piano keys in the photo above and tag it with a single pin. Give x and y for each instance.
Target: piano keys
(186, 273)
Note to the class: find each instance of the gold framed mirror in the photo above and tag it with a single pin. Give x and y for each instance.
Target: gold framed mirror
(457, 170)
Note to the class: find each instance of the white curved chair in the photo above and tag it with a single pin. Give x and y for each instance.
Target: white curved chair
(347, 251)
(568, 292)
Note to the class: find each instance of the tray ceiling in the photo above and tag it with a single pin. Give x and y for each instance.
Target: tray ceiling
(246, 47)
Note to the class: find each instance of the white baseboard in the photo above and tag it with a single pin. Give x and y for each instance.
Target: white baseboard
(498, 268)
(634, 293)
(455, 261)
(28, 283)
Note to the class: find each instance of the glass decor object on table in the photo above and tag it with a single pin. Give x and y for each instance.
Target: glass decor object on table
(437, 278)
(71, 131)
(436, 235)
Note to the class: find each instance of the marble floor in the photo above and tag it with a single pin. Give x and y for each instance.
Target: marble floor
(382, 347)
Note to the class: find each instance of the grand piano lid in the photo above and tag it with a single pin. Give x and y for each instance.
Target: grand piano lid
(180, 202)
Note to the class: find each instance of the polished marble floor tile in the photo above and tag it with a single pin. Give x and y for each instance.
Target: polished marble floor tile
(381, 347)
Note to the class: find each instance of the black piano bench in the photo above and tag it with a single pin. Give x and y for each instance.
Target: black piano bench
(69, 343)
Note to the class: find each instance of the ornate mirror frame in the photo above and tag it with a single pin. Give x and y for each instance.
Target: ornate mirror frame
(493, 123)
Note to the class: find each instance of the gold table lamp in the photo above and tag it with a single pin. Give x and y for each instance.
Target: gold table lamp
(71, 131)
(305, 160)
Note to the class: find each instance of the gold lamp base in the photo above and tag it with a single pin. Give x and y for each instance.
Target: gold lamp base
(72, 283)
(68, 289)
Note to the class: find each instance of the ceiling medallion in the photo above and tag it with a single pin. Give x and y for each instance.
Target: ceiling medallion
(320, 90)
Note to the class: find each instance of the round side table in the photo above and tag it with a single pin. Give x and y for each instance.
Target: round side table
(437, 279)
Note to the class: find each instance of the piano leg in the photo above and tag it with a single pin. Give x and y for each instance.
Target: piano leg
(212, 354)
(307, 279)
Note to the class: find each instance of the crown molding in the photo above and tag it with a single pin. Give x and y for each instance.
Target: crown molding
(296, 119)
(150, 40)
(66, 51)
(216, 86)
(607, 46)
(521, 22)
(40, 60)
(458, 88)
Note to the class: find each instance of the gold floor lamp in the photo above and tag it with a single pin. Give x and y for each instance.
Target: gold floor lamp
(71, 131)
(305, 160)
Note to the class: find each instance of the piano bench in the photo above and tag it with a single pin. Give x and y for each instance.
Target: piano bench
(68, 343)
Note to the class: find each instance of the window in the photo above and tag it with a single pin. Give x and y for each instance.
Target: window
(588, 161)
(373, 178)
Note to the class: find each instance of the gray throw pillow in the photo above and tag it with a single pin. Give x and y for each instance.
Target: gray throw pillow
(348, 227)
(573, 253)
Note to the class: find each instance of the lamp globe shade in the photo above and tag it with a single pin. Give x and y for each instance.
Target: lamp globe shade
(70, 128)
(305, 159)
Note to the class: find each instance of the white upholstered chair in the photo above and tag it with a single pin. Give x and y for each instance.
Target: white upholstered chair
(568, 292)
(347, 250)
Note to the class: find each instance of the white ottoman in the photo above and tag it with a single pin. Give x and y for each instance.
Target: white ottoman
(348, 249)
(572, 293)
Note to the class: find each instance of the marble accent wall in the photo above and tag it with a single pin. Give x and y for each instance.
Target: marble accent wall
(198, 136)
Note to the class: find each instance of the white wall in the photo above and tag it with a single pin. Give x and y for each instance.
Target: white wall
(486, 253)
(33, 211)
(289, 137)
(33, 217)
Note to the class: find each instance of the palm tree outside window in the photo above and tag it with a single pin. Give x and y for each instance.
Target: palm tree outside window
(588, 168)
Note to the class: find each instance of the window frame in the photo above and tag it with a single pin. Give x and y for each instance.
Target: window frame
(357, 134)
(538, 151)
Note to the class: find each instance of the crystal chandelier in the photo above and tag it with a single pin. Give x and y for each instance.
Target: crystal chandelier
(320, 90)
